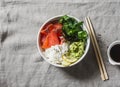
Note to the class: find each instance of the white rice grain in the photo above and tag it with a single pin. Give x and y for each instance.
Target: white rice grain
(54, 53)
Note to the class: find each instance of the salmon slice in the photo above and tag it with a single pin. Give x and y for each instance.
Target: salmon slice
(50, 35)
(53, 39)
(46, 43)
(47, 29)
(58, 26)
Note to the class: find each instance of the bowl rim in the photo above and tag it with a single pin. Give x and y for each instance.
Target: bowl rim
(86, 48)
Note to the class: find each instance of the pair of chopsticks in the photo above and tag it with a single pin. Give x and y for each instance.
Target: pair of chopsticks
(104, 75)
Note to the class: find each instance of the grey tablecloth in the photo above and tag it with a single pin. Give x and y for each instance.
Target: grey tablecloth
(20, 62)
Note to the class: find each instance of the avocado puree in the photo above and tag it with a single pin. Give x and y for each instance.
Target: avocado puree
(76, 50)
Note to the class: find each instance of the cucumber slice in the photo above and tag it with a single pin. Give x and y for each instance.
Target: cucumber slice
(70, 60)
(65, 63)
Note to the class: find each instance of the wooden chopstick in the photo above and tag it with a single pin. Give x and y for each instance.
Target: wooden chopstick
(94, 36)
(101, 65)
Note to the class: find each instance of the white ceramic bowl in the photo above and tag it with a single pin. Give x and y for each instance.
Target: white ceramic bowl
(108, 53)
(55, 18)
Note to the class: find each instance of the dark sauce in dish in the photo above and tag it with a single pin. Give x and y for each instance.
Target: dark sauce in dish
(115, 53)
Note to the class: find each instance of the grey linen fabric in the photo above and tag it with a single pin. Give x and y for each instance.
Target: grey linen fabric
(20, 62)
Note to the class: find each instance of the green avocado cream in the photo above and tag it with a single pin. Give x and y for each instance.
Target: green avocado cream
(76, 50)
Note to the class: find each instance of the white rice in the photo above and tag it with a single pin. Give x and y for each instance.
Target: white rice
(54, 53)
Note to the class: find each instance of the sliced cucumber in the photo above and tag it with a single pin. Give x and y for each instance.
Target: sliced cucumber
(70, 60)
(65, 63)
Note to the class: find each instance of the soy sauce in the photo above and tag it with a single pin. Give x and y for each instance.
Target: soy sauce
(115, 53)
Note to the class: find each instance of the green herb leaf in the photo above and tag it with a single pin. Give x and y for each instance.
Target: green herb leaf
(82, 34)
(72, 29)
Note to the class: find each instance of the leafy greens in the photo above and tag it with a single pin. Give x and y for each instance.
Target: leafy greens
(72, 29)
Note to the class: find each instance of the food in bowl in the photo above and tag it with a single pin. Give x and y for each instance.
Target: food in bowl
(63, 41)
